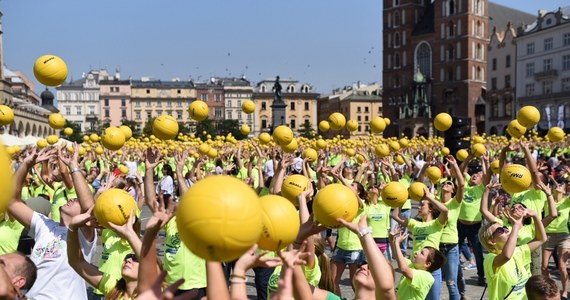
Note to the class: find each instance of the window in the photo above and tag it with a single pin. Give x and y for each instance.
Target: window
(123, 113)
(204, 97)
(450, 29)
(306, 105)
(263, 123)
(123, 102)
(547, 87)
(218, 112)
(548, 44)
(239, 114)
(249, 117)
(396, 40)
(169, 103)
(566, 62)
(477, 7)
(396, 60)
(158, 103)
(293, 124)
(218, 98)
(479, 29)
(566, 41)
(365, 118)
(229, 113)
(106, 101)
(292, 105)
(138, 103)
(178, 91)
(366, 109)
(396, 19)
(359, 118)
(479, 52)
(67, 110)
(91, 110)
(451, 7)
(179, 103)
(494, 83)
(529, 89)
(508, 61)
(229, 103)
(138, 114)
(423, 59)
(263, 105)
(148, 103)
(566, 84)
(508, 106)
(530, 48)
(507, 81)
(494, 64)
(107, 114)
(148, 115)
(148, 91)
(358, 109)
(547, 64)
(530, 69)
(179, 114)
(78, 109)
(450, 52)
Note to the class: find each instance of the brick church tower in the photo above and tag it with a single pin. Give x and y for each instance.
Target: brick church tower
(434, 61)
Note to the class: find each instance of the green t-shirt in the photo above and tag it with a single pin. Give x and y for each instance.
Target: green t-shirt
(471, 205)
(560, 224)
(10, 232)
(348, 240)
(510, 278)
(313, 276)
(526, 233)
(114, 250)
(450, 234)
(425, 234)
(378, 217)
(533, 199)
(406, 181)
(180, 262)
(418, 287)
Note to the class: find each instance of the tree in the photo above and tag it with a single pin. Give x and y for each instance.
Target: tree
(230, 126)
(184, 128)
(147, 130)
(77, 135)
(307, 130)
(205, 127)
(134, 126)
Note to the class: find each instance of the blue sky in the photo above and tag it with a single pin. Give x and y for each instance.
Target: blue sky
(326, 43)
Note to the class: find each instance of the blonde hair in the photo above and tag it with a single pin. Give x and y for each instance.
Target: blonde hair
(326, 282)
(486, 234)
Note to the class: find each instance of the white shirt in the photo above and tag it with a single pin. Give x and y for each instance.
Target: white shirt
(166, 185)
(298, 164)
(268, 168)
(56, 279)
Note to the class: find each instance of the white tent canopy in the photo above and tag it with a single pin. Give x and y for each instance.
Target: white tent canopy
(11, 140)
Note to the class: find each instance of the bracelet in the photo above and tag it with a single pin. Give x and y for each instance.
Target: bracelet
(238, 276)
(69, 228)
(233, 281)
(74, 170)
(140, 182)
(548, 195)
(362, 233)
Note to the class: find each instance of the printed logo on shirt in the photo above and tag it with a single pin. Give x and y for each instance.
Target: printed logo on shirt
(52, 250)
(172, 245)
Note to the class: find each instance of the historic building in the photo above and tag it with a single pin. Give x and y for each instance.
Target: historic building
(236, 91)
(115, 100)
(434, 61)
(357, 102)
(301, 106)
(543, 68)
(212, 93)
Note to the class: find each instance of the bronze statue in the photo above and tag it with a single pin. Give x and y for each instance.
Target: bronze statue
(277, 89)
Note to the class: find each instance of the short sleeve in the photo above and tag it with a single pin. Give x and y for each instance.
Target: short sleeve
(412, 224)
(39, 224)
(422, 280)
(107, 284)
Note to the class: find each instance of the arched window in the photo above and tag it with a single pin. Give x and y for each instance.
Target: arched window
(450, 29)
(479, 29)
(396, 60)
(262, 88)
(396, 39)
(396, 19)
(422, 59)
(451, 7)
(291, 89)
(479, 52)
(450, 52)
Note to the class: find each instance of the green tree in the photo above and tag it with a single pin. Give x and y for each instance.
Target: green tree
(307, 130)
(134, 126)
(203, 128)
(184, 128)
(77, 135)
(147, 130)
(230, 126)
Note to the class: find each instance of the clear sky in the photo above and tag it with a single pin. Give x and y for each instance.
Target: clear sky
(326, 43)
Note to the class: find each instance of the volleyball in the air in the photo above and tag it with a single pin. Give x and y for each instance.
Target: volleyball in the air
(399, 160)
(352, 125)
(6, 115)
(50, 70)
(555, 134)
(311, 154)
(442, 121)
(462, 155)
(248, 106)
(291, 147)
(113, 138)
(337, 121)
(198, 110)
(515, 129)
(335, 201)
(212, 153)
(41, 143)
(416, 191)
(280, 223)
(434, 174)
(377, 125)
(68, 131)
(478, 150)
(204, 148)
(528, 116)
(445, 151)
(293, 185)
(126, 131)
(219, 218)
(515, 178)
(394, 146)
(165, 127)
(245, 130)
(6, 181)
(394, 194)
(114, 206)
(321, 144)
(264, 138)
(52, 139)
(56, 121)
(324, 126)
(387, 121)
(283, 135)
(381, 150)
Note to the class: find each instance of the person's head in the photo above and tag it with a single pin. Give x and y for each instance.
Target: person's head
(371, 194)
(358, 189)
(347, 172)
(70, 209)
(363, 281)
(427, 209)
(130, 270)
(540, 287)
(476, 178)
(448, 187)
(120, 183)
(429, 259)
(167, 170)
(20, 268)
(493, 237)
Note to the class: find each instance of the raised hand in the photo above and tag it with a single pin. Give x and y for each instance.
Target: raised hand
(362, 223)
(86, 219)
(161, 215)
(126, 229)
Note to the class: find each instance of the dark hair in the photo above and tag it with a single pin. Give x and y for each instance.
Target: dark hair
(540, 286)
(168, 169)
(361, 190)
(436, 258)
(29, 271)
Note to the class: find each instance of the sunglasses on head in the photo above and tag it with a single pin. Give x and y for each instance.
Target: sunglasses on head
(131, 256)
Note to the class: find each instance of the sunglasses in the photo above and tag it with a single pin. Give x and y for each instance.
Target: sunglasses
(500, 230)
(447, 183)
(132, 257)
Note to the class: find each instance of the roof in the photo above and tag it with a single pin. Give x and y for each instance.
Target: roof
(500, 15)
(159, 84)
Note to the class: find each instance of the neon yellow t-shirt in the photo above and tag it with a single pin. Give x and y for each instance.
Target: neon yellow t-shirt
(378, 217)
(425, 234)
(10, 232)
(510, 278)
(348, 240)
(560, 224)
(450, 234)
(180, 262)
(418, 287)
(471, 205)
(107, 284)
(533, 199)
(406, 181)
(313, 276)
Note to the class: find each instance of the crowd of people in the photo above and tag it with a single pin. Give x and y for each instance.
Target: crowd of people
(49, 234)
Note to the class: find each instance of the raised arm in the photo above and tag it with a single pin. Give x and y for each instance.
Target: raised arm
(396, 216)
(509, 248)
(396, 238)
(531, 163)
(490, 217)
(216, 287)
(75, 258)
(539, 231)
(180, 163)
(552, 211)
(438, 205)
(152, 159)
(460, 179)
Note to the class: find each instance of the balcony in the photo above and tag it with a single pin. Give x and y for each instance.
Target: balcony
(552, 73)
